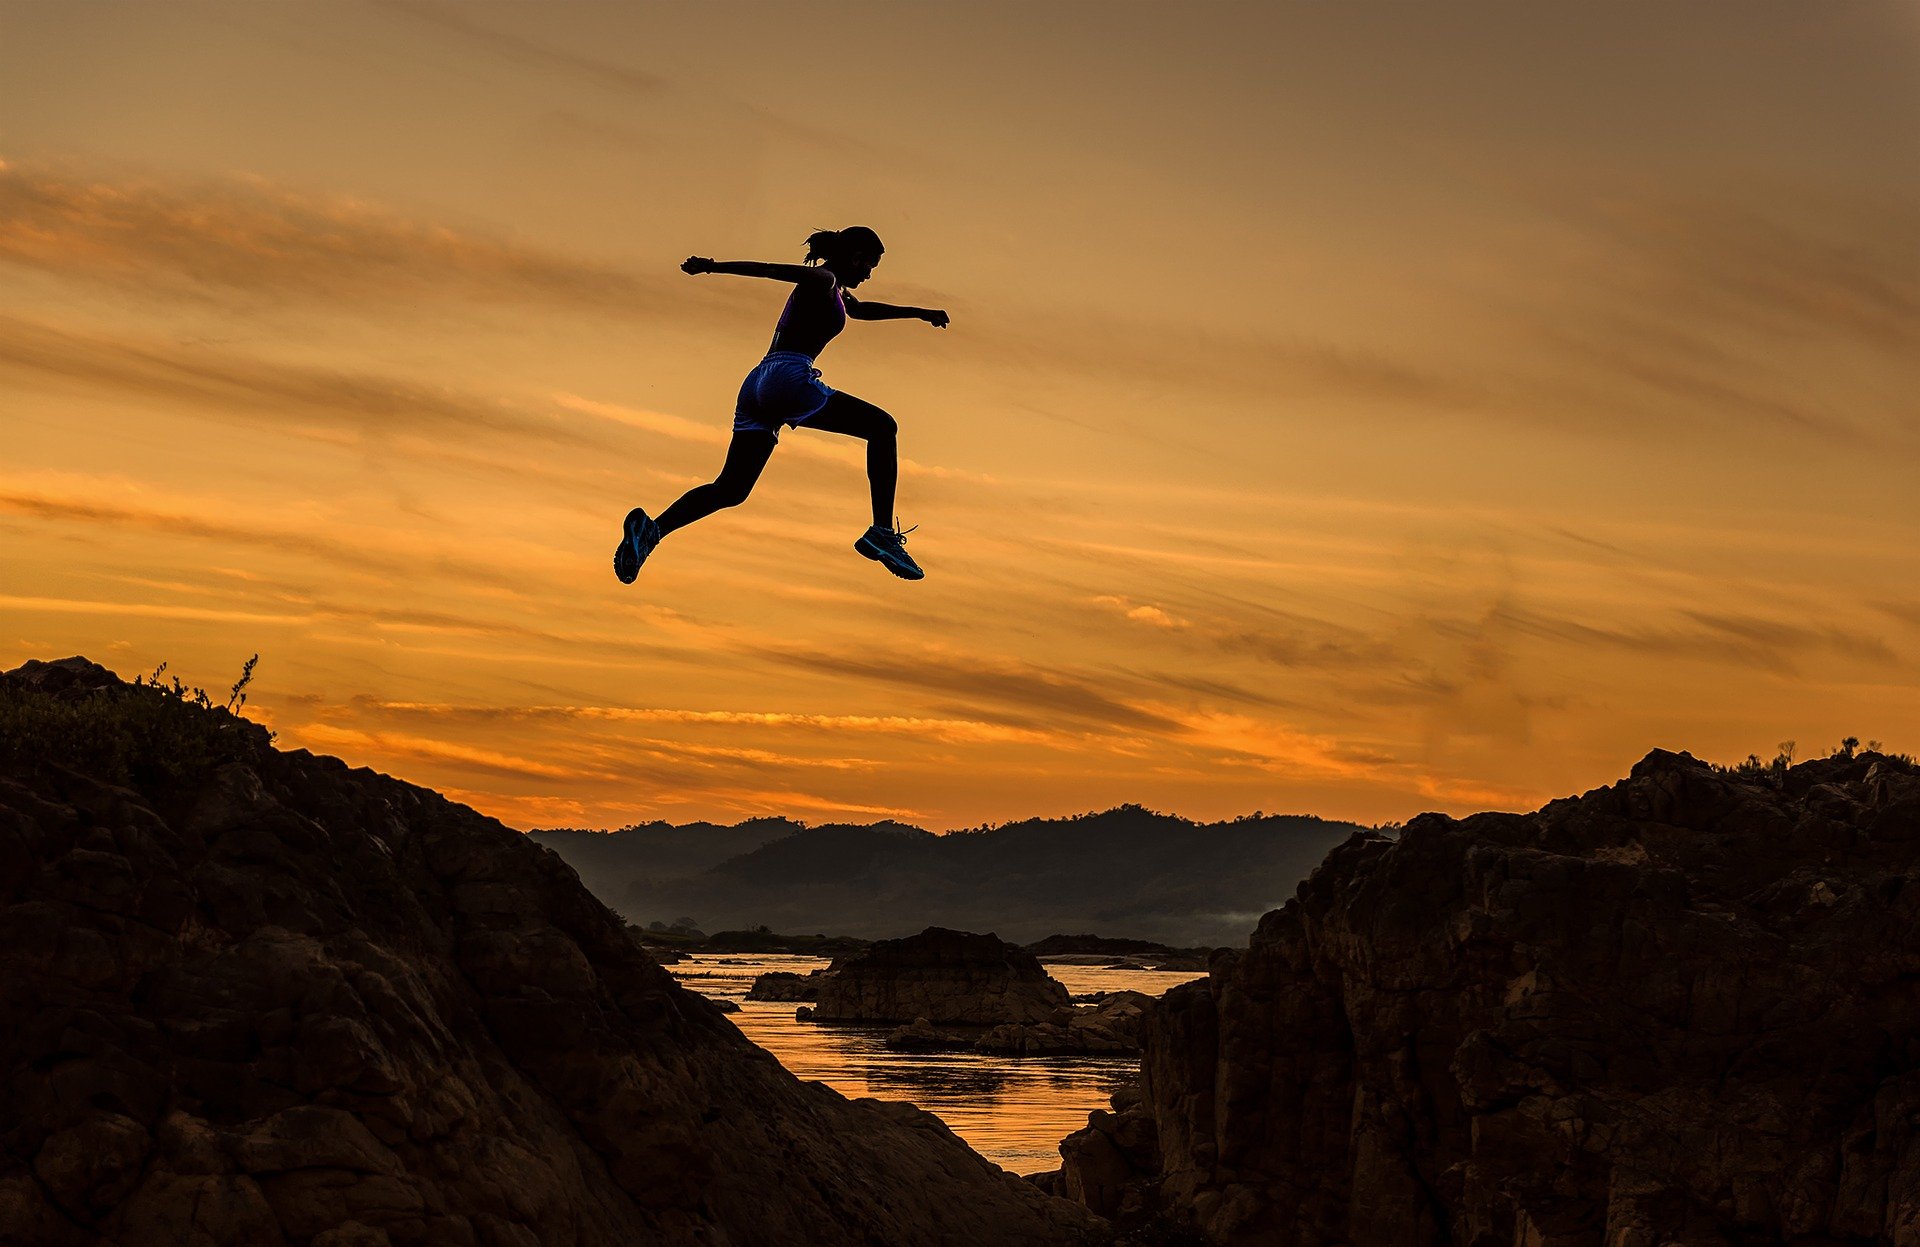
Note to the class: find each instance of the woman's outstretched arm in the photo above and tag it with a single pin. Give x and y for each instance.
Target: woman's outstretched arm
(754, 268)
(861, 309)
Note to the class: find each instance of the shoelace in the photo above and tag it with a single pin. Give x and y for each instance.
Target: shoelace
(899, 534)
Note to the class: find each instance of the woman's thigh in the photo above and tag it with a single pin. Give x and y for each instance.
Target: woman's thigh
(747, 456)
(856, 417)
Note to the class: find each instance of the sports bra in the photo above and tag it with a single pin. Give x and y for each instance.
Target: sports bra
(801, 327)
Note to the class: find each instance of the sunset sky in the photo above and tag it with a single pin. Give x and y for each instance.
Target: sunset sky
(1349, 410)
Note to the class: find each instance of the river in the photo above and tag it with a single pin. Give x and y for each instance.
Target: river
(1013, 1110)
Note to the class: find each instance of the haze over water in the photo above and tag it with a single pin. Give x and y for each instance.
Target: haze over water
(1012, 1110)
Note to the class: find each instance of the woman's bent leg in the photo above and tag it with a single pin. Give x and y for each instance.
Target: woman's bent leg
(747, 454)
(856, 417)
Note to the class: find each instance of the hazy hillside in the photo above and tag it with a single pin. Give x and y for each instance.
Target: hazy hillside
(609, 860)
(1126, 872)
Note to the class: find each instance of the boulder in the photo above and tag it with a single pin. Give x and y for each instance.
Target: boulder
(1110, 1026)
(924, 1036)
(947, 977)
(784, 985)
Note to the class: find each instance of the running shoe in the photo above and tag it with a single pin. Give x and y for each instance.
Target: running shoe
(642, 535)
(889, 546)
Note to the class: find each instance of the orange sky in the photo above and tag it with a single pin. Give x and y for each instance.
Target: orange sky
(1344, 412)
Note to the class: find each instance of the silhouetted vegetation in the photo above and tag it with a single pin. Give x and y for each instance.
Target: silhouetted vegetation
(1775, 768)
(149, 733)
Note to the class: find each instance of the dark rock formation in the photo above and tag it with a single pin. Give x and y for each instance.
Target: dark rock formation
(785, 985)
(1112, 1025)
(946, 977)
(283, 1002)
(1112, 1165)
(921, 1035)
(1680, 1009)
(1109, 1027)
(1057, 945)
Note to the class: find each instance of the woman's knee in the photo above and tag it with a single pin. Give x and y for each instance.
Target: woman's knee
(885, 427)
(728, 493)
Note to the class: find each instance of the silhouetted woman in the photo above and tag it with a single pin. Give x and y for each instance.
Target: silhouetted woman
(785, 389)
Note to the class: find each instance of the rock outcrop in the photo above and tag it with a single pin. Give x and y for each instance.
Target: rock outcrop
(785, 985)
(1112, 1025)
(277, 1001)
(1677, 1010)
(1109, 1027)
(946, 977)
(1112, 1165)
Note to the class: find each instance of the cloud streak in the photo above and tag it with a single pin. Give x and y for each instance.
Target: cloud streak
(529, 53)
(369, 407)
(277, 245)
(1027, 687)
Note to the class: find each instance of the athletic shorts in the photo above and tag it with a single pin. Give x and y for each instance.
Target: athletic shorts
(784, 388)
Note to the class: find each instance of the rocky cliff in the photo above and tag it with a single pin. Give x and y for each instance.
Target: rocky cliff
(258, 997)
(1682, 1009)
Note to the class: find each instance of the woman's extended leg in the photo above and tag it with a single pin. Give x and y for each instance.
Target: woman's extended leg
(858, 418)
(746, 455)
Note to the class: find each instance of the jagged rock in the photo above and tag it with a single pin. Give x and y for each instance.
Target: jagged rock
(289, 1002)
(1677, 1009)
(924, 1036)
(947, 977)
(1112, 1025)
(1111, 1166)
(784, 985)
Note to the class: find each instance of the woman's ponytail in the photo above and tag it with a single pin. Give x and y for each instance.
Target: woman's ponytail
(820, 244)
(825, 244)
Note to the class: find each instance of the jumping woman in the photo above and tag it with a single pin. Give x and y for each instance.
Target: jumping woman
(785, 389)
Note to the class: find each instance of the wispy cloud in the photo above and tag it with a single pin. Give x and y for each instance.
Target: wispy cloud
(1732, 313)
(1026, 687)
(217, 381)
(87, 503)
(947, 730)
(528, 52)
(275, 245)
(1746, 640)
(1141, 612)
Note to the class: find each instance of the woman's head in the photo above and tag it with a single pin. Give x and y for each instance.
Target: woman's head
(851, 253)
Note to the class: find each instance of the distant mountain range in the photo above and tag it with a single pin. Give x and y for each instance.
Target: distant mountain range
(1125, 872)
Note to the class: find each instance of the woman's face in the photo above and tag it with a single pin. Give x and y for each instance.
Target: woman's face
(855, 267)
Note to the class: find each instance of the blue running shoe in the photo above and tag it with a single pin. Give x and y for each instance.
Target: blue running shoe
(889, 546)
(642, 535)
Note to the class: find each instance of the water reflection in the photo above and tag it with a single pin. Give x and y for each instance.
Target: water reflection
(927, 1082)
(1012, 1110)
